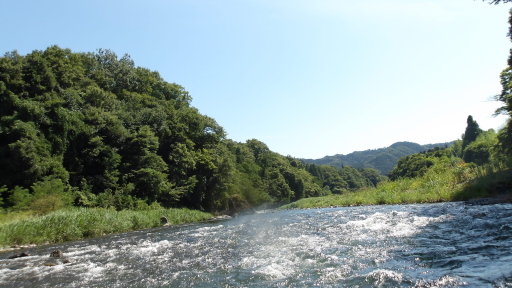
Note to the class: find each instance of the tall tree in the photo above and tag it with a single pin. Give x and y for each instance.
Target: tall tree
(471, 133)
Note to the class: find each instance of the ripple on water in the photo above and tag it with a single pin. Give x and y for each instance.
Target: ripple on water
(439, 245)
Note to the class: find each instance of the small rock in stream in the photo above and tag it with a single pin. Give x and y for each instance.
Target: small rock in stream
(164, 221)
(57, 253)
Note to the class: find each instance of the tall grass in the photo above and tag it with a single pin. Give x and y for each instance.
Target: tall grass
(443, 182)
(78, 223)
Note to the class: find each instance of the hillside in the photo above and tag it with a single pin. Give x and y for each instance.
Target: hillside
(94, 130)
(382, 159)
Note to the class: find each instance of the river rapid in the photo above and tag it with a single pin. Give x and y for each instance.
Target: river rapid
(434, 245)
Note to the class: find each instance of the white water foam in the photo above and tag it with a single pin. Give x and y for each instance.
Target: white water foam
(439, 245)
(392, 224)
(383, 277)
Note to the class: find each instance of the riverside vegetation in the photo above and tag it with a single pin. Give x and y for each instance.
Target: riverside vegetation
(79, 223)
(91, 144)
(474, 167)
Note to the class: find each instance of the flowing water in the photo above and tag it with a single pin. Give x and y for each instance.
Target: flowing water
(435, 245)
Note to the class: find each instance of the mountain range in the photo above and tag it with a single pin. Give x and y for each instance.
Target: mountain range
(382, 159)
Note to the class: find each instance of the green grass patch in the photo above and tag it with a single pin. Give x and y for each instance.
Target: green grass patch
(78, 223)
(442, 183)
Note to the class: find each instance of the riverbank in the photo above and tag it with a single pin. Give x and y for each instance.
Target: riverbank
(450, 186)
(337, 201)
(80, 223)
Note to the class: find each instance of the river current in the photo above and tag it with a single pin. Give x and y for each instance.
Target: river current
(434, 245)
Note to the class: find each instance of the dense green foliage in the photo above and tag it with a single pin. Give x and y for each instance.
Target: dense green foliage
(443, 181)
(471, 133)
(94, 130)
(417, 165)
(476, 147)
(340, 180)
(383, 159)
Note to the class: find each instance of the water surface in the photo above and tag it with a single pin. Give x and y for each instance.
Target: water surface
(435, 245)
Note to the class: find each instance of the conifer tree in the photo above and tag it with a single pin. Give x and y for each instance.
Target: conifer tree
(472, 131)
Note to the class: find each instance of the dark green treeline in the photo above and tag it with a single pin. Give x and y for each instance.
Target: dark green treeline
(94, 130)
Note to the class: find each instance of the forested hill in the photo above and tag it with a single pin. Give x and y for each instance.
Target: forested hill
(382, 159)
(94, 130)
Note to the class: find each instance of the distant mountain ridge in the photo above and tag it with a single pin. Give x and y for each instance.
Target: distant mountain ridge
(382, 159)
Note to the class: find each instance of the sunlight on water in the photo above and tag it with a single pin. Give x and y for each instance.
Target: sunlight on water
(440, 245)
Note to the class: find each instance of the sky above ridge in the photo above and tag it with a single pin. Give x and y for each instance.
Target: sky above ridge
(308, 78)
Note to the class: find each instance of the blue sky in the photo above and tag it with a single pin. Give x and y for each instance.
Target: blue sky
(308, 78)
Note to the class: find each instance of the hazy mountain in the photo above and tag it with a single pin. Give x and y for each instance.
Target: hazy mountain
(382, 159)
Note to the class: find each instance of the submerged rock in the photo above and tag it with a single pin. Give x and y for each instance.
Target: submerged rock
(164, 221)
(57, 253)
(19, 255)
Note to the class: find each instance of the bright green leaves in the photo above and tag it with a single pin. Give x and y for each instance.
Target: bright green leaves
(42, 198)
(119, 136)
(37, 75)
(98, 163)
(19, 199)
(146, 169)
(150, 184)
(476, 145)
(26, 157)
(143, 142)
(277, 187)
(112, 74)
(50, 195)
(99, 98)
(97, 119)
(482, 149)
(478, 153)
(65, 65)
(411, 166)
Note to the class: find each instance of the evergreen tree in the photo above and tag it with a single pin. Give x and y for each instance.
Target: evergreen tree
(505, 135)
(471, 133)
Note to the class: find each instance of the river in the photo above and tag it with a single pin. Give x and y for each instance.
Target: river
(432, 245)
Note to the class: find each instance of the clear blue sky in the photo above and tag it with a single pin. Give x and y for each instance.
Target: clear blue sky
(308, 78)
